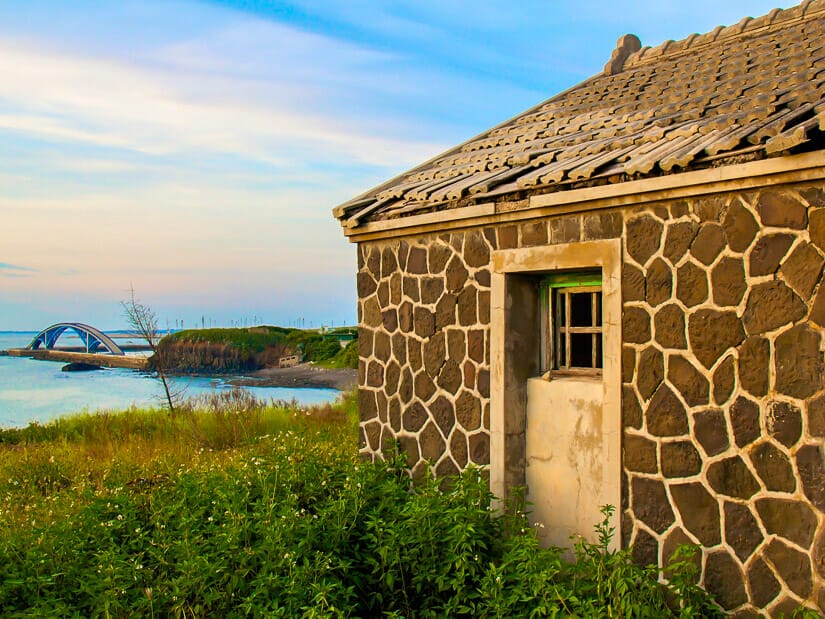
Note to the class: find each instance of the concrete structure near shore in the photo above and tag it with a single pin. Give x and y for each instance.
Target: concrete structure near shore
(618, 296)
(102, 360)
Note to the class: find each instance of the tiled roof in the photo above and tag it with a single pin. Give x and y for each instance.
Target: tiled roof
(757, 87)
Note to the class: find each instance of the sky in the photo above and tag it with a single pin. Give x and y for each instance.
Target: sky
(193, 150)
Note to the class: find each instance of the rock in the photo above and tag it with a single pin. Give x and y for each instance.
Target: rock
(771, 305)
(635, 325)
(768, 253)
(798, 362)
(731, 477)
(724, 579)
(640, 454)
(631, 411)
(816, 416)
(628, 364)
(431, 443)
(417, 261)
(77, 366)
(457, 274)
(650, 503)
(724, 380)
(651, 371)
(773, 467)
(680, 459)
(803, 269)
(450, 378)
(678, 239)
(431, 289)
(438, 254)
(712, 333)
(790, 519)
(445, 311)
(414, 417)
(411, 290)
(763, 584)
(728, 281)
(476, 250)
(365, 284)
(467, 306)
(566, 229)
(669, 326)
(677, 538)
(784, 422)
(755, 365)
(644, 235)
(711, 431)
(645, 549)
(816, 227)
(534, 234)
(744, 417)
(666, 414)
(468, 411)
(810, 461)
(480, 448)
(699, 511)
(508, 237)
(740, 226)
(602, 226)
(633, 283)
(691, 284)
(424, 322)
(389, 263)
(742, 532)
(709, 241)
(694, 387)
(458, 447)
(781, 209)
(793, 566)
(659, 283)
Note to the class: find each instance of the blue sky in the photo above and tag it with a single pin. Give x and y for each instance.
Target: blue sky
(194, 150)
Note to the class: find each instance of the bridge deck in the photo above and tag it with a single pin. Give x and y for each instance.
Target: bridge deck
(103, 360)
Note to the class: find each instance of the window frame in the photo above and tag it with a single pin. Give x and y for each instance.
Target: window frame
(553, 329)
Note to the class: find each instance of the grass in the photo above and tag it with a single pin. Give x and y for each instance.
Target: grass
(236, 508)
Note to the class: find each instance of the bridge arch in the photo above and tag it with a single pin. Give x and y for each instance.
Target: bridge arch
(93, 339)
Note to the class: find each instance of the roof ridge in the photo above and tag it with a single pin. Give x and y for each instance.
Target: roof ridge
(747, 26)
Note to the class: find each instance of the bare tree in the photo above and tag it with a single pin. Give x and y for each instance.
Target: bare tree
(144, 321)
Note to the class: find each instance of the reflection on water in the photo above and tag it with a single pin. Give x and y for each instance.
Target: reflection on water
(38, 391)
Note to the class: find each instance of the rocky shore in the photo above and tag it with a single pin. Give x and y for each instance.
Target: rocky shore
(303, 375)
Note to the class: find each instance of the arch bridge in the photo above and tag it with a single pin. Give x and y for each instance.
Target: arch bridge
(93, 339)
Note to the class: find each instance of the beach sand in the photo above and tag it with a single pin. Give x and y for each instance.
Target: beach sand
(303, 375)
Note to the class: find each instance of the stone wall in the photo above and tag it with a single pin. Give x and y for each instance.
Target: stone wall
(722, 399)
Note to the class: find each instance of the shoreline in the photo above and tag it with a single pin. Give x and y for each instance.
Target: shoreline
(303, 375)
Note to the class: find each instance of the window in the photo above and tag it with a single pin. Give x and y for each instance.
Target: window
(571, 312)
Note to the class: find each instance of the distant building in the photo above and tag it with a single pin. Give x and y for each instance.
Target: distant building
(616, 297)
(290, 361)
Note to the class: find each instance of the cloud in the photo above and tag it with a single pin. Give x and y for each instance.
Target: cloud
(15, 270)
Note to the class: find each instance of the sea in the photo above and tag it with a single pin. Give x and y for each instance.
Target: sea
(38, 391)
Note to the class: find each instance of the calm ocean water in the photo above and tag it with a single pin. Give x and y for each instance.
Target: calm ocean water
(38, 391)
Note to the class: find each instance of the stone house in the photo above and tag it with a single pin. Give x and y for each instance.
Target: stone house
(617, 297)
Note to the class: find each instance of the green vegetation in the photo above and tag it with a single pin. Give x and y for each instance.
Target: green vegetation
(253, 348)
(234, 508)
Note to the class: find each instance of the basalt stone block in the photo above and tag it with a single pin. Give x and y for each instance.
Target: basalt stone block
(659, 283)
(771, 305)
(365, 284)
(424, 386)
(395, 288)
(483, 383)
(405, 317)
(458, 448)
(645, 549)
(392, 375)
(490, 236)
(417, 261)
(372, 313)
(665, 414)
(814, 196)
(782, 209)
(810, 461)
(431, 442)
(816, 228)
(768, 253)
(383, 294)
(602, 226)
(650, 503)
(819, 555)
(456, 345)
(724, 380)
(390, 320)
(640, 454)
(731, 477)
(790, 519)
(773, 467)
(445, 311)
(372, 434)
(373, 264)
(438, 255)
(798, 362)
(480, 448)
(742, 532)
(678, 239)
(728, 281)
(691, 285)
(644, 235)
(699, 511)
(367, 408)
(724, 579)
(395, 414)
(414, 417)
(414, 354)
(467, 306)
(475, 345)
(744, 418)
(389, 263)
(476, 250)
(816, 416)
(680, 459)
(710, 208)
(802, 269)
(794, 567)
(712, 333)
(679, 209)
(669, 326)
(651, 371)
(482, 276)
(431, 289)
(434, 354)
(469, 374)
(566, 229)
(763, 584)
(631, 411)
(423, 322)
(628, 363)
(365, 339)
(375, 374)
(457, 274)
(711, 431)
(484, 307)
(784, 422)
(693, 386)
(740, 226)
(755, 365)
(399, 348)
(449, 378)
(709, 241)
(508, 237)
(534, 233)
(443, 413)
(468, 411)
(446, 470)
(635, 325)
(411, 289)
(405, 387)
(817, 314)
(633, 283)
(677, 538)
